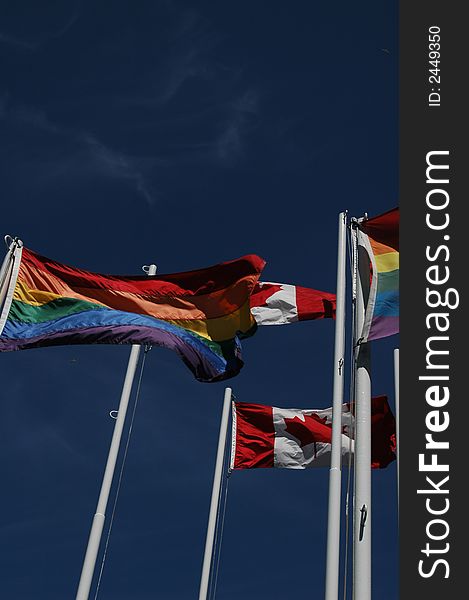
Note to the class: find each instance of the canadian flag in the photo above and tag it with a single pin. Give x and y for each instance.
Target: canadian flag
(282, 303)
(267, 436)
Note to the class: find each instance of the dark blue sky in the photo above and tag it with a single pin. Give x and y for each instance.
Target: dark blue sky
(185, 134)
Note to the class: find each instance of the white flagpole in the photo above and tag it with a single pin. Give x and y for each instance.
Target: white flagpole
(6, 267)
(396, 398)
(98, 519)
(333, 522)
(362, 499)
(207, 564)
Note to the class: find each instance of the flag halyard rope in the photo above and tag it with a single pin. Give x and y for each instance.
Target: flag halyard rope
(121, 472)
(220, 539)
(220, 524)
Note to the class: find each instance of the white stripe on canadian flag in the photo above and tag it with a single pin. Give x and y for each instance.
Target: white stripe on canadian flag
(296, 446)
(282, 303)
(280, 308)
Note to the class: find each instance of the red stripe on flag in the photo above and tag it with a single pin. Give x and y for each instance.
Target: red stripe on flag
(384, 228)
(383, 433)
(255, 436)
(189, 283)
(262, 292)
(313, 304)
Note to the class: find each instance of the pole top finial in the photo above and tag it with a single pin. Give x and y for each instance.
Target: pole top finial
(11, 241)
(150, 269)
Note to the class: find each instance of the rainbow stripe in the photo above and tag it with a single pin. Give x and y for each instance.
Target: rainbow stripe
(380, 237)
(198, 314)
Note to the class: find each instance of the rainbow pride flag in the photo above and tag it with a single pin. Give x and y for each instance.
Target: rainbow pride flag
(380, 237)
(198, 314)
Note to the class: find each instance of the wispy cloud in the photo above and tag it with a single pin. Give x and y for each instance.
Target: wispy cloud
(178, 71)
(68, 24)
(36, 118)
(107, 161)
(119, 166)
(35, 42)
(229, 145)
(17, 43)
(169, 78)
(212, 129)
(248, 103)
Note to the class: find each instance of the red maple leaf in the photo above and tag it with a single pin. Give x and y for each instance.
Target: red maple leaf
(310, 431)
(262, 292)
